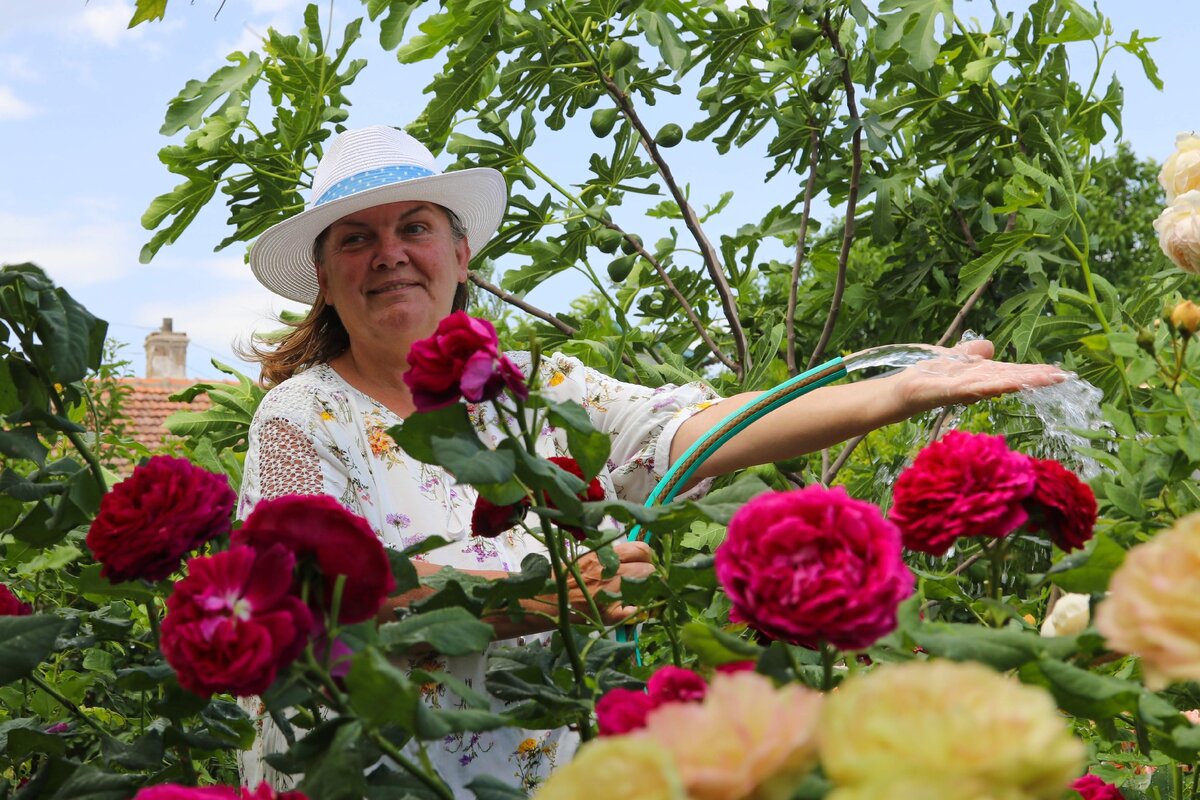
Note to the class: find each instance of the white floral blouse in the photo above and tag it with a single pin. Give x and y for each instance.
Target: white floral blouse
(316, 434)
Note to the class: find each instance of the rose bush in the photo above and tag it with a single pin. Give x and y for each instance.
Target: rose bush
(339, 543)
(166, 509)
(1092, 787)
(814, 565)
(461, 359)
(623, 710)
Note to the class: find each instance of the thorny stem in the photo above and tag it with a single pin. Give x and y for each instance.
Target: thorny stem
(810, 185)
(66, 703)
(839, 288)
(828, 654)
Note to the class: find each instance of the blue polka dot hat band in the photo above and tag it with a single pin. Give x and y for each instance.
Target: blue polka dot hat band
(370, 179)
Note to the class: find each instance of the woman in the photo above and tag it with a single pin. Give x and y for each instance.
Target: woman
(382, 256)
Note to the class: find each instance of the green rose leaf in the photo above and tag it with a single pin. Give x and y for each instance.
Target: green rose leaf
(25, 642)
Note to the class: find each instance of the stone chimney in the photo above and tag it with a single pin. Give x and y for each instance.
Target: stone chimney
(166, 353)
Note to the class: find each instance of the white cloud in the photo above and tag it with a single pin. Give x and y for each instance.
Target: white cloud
(106, 21)
(75, 247)
(13, 107)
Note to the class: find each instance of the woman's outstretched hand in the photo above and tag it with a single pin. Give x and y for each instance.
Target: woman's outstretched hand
(964, 374)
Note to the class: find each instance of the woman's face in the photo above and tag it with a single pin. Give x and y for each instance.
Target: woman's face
(392, 269)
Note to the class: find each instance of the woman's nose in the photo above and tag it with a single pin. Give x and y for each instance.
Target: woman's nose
(391, 251)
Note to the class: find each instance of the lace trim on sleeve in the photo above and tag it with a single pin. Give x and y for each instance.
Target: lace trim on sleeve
(288, 461)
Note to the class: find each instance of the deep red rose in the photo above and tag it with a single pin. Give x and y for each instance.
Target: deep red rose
(320, 529)
(152, 519)
(592, 492)
(490, 520)
(233, 623)
(265, 792)
(1061, 505)
(1093, 788)
(11, 606)
(461, 359)
(671, 684)
(730, 667)
(964, 484)
(814, 565)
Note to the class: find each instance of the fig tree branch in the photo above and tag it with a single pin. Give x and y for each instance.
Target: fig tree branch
(839, 288)
(814, 146)
(513, 300)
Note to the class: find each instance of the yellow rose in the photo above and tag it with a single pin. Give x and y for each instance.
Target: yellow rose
(1070, 615)
(1178, 229)
(615, 768)
(1181, 172)
(1153, 605)
(1185, 316)
(746, 739)
(940, 729)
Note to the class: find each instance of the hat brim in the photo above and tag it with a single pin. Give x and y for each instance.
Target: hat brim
(282, 260)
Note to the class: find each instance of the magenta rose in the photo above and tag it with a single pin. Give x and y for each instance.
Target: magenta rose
(814, 565)
(174, 791)
(233, 623)
(621, 710)
(964, 484)
(461, 359)
(1061, 505)
(11, 605)
(671, 684)
(320, 531)
(1094, 788)
(148, 522)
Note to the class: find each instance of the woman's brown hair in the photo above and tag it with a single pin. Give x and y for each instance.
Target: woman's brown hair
(320, 336)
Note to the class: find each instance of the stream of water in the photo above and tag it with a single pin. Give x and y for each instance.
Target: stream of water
(1061, 409)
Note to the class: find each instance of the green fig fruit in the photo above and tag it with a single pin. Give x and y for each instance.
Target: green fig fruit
(804, 38)
(669, 135)
(608, 240)
(629, 248)
(619, 54)
(603, 120)
(620, 267)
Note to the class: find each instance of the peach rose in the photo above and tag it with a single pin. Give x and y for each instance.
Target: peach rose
(746, 739)
(1185, 316)
(1152, 609)
(626, 767)
(1181, 171)
(1178, 229)
(1070, 615)
(941, 729)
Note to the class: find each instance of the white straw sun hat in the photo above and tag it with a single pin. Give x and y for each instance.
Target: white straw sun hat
(364, 168)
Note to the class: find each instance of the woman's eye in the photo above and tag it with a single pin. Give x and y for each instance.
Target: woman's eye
(416, 227)
(353, 238)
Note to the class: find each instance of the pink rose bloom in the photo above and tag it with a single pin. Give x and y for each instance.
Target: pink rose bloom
(1093, 788)
(174, 791)
(1061, 505)
(624, 710)
(11, 605)
(461, 359)
(233, 623)
(746, 739)
(671, 684)
(319, 528)
(148, 522)
(814, 565)
(964, 484)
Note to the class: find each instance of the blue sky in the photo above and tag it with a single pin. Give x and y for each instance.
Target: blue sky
(82, 99)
